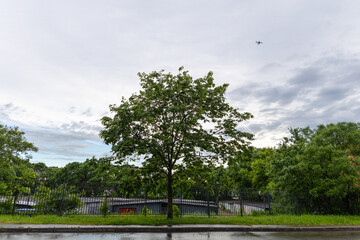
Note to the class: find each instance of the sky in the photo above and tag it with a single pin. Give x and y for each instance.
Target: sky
(62, 63)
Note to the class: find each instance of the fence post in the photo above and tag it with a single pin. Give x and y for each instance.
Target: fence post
(111, 202)
(268, 197)
(145, 207)
(297, 205)
(28, 201)
(208, 202)
(240, 201)
(62, 200)
(181, 201)
(16, 194)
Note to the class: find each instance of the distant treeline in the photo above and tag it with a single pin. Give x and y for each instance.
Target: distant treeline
(320, 166)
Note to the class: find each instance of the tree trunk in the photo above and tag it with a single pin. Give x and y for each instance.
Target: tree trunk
(170, 195)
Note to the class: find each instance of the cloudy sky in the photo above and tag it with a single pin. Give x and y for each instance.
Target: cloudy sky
(63, 62)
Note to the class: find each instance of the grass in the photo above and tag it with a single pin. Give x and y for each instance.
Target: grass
(305, 220)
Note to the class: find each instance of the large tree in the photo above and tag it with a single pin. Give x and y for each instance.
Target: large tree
(91, 177)
(15, 169)
(176, 122)
(321, 166)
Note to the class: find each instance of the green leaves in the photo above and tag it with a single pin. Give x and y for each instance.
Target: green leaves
(166, 119)
(321, 164)
(173, 120)
(91, 176)
(15, 168)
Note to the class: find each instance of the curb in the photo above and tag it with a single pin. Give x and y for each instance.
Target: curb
(172, 229)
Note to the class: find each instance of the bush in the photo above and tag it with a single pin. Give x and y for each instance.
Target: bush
(222, 207)
(6, 206)
(176, 210)
(104, 207)
(58, 201)
(146, 211)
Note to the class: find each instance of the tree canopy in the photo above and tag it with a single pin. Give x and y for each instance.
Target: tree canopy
(174, 123)
(321, 166)
(14, 159)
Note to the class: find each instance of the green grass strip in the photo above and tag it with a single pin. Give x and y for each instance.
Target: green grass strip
(304, 220)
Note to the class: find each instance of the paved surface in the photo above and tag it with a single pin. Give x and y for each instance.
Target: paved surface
(22, 228)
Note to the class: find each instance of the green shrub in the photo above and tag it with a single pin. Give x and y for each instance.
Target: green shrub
(222, 207)
(58, 201)
(6, 206)
(146, 211)
(104, 207)
(3, 188)
(176, 210)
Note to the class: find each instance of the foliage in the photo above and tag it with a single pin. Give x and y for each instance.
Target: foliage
(58, 201)
(15, 168)
(321, 167)
(91, 176)
(42, 193)
(129, 180)
(220, 183)
(7, 205)
(284, 202)
(145, 211)
(222, 207)
(46, 175)
(176, 210)
(225, 182)
(260, 167)
(175, 123)
(104, 207)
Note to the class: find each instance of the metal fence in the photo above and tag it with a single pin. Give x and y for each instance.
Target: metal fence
(241, 202)
(192, 202)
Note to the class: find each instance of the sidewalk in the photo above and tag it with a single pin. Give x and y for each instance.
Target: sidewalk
(28, 228)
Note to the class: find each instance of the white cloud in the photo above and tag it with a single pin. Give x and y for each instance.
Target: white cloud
(63, 62)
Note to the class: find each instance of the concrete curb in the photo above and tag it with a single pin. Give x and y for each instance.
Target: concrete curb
(172, 229)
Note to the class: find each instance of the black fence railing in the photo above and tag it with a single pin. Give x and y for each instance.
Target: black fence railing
(192, 202)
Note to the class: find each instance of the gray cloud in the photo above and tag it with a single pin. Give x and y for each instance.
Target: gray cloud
(304, 81)
(74, 141)
(4, 117)
(330, 96)
(86, 129)
(65, 151)
(281, 95)
(306, 78)
(60, 136)
(63, 63)
(88, 112)
(6, 110)
(325, 91)
(72, 109)
(9, 107)
(69, 142)
(257, 128)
